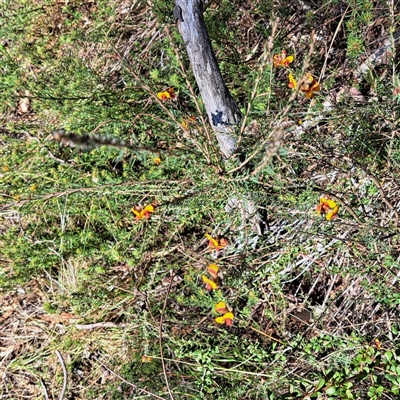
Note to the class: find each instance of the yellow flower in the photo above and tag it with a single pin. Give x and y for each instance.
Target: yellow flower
(292, 82)
(221, 308)
(283, 60)
(377, 343)
(310, 86)
(168, 94)
(141, 212)
(33, 188)
(186, 122)
(185, 125)
(210, 284)
(226, 319)
(216, 244)
(157, 160)
(332, 213)
(212, 269)
(5, 168)
(328, 207)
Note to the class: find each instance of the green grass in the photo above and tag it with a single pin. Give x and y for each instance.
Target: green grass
(80, 275)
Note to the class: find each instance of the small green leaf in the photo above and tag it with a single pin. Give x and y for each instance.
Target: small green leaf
(321, 383)
(330, 391)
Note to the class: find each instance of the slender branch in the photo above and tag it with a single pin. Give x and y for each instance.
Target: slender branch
(160, 338)
(64, 388)
(45, 393)
(95, 188)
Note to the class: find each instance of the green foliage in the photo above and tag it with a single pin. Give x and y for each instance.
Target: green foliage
(67, 223)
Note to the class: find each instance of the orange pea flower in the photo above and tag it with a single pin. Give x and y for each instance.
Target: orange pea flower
(221, 308)
(186, 122)
(146, 359)
(226, 319)
(168, 94)
(310, 86)
(328, 207)
(292, 82)
(282, 60)
(212, 269)
(143, 212)
(215, 243)
(210, 284)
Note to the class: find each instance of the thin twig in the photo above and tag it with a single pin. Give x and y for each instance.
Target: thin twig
(321, 75)
(383, 194)
(96, 325)
(125, 381)
(95, 188)
(64, 388)
(160, 338)
(46, 395)
(265, 334)
(263, 65)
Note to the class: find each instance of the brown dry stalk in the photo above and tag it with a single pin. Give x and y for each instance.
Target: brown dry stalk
(160, 338)
(94, 188)
(65, 375)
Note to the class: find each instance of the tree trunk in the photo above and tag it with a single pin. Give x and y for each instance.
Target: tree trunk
(223, 113)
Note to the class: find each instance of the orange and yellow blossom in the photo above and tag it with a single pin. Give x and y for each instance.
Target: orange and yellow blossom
(328, 207)
(212, 269)
(221, 308)
(226, 319)
(143, 212)
(282, 60)
(215, 243)
(292, 82)
(210, 284)
(168, 94)
(310, 86)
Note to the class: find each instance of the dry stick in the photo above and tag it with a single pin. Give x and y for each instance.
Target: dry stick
(160, 338)
(94, 188)
(46, 395)
(329, 291)
(265, 334)
(64, 388)
(222, 111)
(330, 47)
(96, 325)
(383, 195)
(125, 381)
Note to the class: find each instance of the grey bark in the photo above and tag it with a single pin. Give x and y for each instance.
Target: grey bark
(223, 113)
